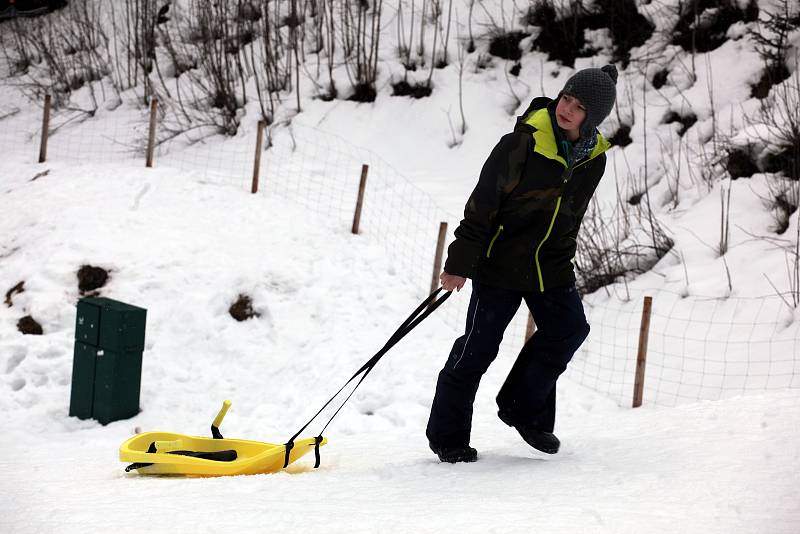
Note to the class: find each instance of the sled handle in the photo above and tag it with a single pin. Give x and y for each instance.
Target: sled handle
(221, 415)
(162, 446)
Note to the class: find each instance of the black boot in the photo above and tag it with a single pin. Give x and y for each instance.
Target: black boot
(540, 440)
(453, 455)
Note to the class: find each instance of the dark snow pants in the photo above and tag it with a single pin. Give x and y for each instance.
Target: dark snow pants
(529, 392)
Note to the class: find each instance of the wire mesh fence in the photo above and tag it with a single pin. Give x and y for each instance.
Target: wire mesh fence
(699, 348)
(17, 136)
(106, 137)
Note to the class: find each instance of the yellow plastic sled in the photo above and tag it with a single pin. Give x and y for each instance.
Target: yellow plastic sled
(167, 453)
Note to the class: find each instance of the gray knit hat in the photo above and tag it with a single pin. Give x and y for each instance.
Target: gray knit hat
(597, 91)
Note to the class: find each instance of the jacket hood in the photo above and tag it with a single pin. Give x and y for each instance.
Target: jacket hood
(540, 102)
(538, 121)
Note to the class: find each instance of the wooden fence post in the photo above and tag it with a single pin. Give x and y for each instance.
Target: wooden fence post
(257, 164)
(641, 357)
(151, 138)
(360, 203)
(45, 130)
(531, 328)
(437, 261)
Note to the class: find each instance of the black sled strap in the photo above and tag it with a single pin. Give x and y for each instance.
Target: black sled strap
(427, 307)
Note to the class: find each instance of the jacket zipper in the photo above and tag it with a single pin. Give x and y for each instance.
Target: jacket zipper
(547, 235)
(566, 177)
(582, 163)
(491, 244)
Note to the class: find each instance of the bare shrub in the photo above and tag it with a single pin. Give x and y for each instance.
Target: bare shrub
(60, 54)
(611, 248)
(361, 39)
(703, 24)
(506, 45)
(781, 111)
(201, 67)
(270, 61)
(562, 37)
(622, 137)
(783, 201)
(219, 77)
(562, 34)
(416, 90)
(628, 28)
(686, 121)
(791, 251)
(772, 44)
(134, 27)
(739, 161)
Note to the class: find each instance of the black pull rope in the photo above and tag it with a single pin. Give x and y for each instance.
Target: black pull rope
(427, 307)
(391, 343)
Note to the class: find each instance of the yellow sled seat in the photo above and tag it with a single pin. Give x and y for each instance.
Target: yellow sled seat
(252, 457)
(167, 453)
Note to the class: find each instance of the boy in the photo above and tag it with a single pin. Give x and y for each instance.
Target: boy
(516, 242)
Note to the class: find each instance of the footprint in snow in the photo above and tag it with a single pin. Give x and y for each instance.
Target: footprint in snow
(50, 354)
(17, 384)
(139, 196)
(17, 357)
(40, 380)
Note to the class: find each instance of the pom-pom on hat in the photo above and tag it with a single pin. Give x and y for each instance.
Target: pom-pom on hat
(597, 91)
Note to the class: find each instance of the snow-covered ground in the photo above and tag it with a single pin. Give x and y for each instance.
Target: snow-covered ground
(174, 248)
(185, 238)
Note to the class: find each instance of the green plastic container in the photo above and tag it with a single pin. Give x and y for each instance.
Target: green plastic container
(110, 324)
(118, 378)
(107, 363)
(87, 323)
(83, 367)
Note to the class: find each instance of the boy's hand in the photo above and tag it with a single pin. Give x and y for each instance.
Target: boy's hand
(452, 281)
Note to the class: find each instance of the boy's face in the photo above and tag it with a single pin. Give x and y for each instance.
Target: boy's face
(570, 114)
